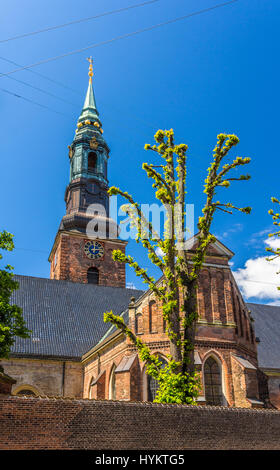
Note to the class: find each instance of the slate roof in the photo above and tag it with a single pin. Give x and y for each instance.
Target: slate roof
(66, 318)
(267, 328)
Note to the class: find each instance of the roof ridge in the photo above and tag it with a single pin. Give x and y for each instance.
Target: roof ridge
(77, 283)
(263, 305)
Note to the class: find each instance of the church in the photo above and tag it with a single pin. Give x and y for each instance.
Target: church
(73, 353)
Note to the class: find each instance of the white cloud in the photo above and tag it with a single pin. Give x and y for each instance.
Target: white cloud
(259, 278)
(273, 242)
(257, 238)
(234, 229)
(159, 252)
(130, 285)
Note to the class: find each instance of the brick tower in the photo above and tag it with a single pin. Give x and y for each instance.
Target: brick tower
(82, 250)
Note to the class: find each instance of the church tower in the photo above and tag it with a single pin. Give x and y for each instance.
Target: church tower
(86, 238)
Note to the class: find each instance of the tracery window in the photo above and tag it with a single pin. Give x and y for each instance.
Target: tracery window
(153, 384)
(212, 382)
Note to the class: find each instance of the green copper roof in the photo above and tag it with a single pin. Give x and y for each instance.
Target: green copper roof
(89, 110)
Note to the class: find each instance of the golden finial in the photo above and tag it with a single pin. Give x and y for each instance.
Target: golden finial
(90, 70)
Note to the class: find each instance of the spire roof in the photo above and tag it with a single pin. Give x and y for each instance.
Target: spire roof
(90, 98)
(89, 114)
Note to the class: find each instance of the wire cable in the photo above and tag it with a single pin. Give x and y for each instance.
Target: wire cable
(31, 101)
(124, 36)
(51, 28)
(41, 90)
(41, 75)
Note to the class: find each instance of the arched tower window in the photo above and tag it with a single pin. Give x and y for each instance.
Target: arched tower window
(152, 317)
(213, 382)
(93, 276)
(92, 161)
(153, 384)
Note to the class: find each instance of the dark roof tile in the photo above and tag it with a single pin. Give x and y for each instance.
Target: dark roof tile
(267, 328)
(66, 318)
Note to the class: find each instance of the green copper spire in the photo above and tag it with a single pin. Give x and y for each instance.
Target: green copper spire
(90, 99)
(89, 115)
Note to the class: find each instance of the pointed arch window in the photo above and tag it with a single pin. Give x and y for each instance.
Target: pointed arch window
(213, 382)
(93, 276)
(152, 384)
(92, 161)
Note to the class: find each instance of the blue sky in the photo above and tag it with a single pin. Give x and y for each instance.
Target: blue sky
(216, 72)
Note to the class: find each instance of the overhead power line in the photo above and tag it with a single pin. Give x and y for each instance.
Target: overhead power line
(31, 101)
(41, 90)
(40, 75)
(89, 18)
(124, 36)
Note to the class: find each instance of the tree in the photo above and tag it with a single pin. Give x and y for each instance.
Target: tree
(178, 381)
(276, 221)
(11, 320)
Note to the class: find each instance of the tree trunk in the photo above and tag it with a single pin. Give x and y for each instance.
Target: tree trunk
(190, 310)
(175, 349)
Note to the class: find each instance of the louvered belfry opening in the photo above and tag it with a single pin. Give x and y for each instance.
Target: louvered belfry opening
(93, 276)
(92, 161)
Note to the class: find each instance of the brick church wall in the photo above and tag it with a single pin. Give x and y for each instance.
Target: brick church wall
(223, 330)
(41, 423)
(110, 356)
(46, 376)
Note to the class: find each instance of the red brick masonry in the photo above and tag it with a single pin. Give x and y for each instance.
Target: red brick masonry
(50, 423)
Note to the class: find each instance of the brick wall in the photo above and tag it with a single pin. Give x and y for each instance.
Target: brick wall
(46, 377)
(72, 263)
(41, 423)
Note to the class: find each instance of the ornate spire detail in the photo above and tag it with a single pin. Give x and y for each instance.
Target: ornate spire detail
(90, 70)
(89, 115)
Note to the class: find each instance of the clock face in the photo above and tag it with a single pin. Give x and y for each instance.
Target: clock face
(93, 249)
